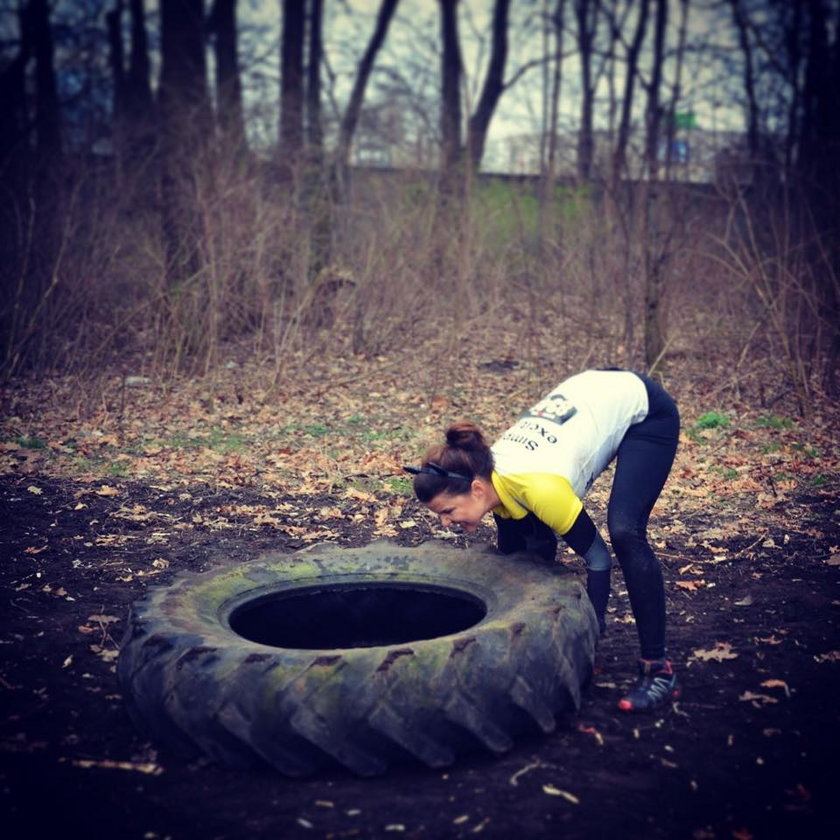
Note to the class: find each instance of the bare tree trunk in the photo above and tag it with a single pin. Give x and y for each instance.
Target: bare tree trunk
(655, 255)
(292, 86)
(132, 98)
(185, 126)
(317, 195)
(222, 24)
(549, 173)
(14, 212)
(314, 127)
(450, 115)
(632, 71)
(795, 60)
(47, 123)
(586, 13)
(31, 172)
(350, 118)
(139, 89)
(676, 93)
(493, 87)
(48, 150)
(116, 57)
(753, 136)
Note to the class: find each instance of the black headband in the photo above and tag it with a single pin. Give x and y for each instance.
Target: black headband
(436, 469)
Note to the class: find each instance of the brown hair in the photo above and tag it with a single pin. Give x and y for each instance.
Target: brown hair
(465, 453)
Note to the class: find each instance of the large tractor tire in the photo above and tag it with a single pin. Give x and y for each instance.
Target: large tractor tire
(360, 657)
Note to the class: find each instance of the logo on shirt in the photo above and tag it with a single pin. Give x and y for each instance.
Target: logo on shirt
(555, 408)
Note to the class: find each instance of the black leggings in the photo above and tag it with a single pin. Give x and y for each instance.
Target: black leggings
(643, 462)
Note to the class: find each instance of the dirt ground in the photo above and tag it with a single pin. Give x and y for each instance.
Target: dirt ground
(750, 751)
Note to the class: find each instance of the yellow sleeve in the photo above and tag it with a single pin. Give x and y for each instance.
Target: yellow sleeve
(550, 497)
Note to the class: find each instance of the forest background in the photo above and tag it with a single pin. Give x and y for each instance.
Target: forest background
(176, 180)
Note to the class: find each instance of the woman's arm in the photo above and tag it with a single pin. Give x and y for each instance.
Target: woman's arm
(584, 539)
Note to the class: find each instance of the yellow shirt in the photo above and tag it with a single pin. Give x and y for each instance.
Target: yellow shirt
(549, 497)
(548, 459)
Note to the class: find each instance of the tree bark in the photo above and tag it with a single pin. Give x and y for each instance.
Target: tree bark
(47, 120)
(450, 114)
(314, 127)
(14, 162)
(223, 25)
(655, 257)
(185, 127)
(139, 89)
(292, 86)
(739, 17)
(549, 170)
(586, 13)
(493, 87)
(653, 111)
(116, 57)
(350, 118)
(623, 136)
(33, 195)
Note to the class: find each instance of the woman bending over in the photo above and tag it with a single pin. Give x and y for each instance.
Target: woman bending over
(533, 480)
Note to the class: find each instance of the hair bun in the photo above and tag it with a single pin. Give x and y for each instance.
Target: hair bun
(465, 435)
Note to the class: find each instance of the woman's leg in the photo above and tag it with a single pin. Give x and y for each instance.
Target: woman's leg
(643, 462)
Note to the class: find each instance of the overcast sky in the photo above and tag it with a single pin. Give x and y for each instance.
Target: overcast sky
(411, 57)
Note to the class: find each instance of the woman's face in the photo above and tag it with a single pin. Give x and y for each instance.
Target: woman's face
(464, 509)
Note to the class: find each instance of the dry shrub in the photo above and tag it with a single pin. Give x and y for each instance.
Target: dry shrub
(401, 272)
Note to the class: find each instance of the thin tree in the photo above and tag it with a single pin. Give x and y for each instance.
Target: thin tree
(313, 121)
(350, 118)
(292, 86)
(739, 17)
(587, 14)
(116, 56)
(619, 164)
(450, 110)
(554, 30)
(47, 118)
(14, 205)
(185, 125)
(655, 254)
(494, 85)
(139, 101)
(222, 24)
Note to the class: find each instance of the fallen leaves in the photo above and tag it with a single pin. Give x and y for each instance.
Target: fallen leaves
(831, 656)
(553, 791)
(761, 700)
(758, 700)
(107, 490)
(138, 513)
(31, 550)
(591, 730)
(768, 640)
(514, 779)
(148, 768)
(108, 655)
(691, 585)
(775, 683)
(719, 653)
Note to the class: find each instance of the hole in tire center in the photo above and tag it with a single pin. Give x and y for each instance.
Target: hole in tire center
(355, 615)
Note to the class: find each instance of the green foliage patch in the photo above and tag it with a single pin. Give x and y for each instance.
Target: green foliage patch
(712, 420)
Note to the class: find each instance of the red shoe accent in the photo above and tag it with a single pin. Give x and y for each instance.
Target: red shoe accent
(655, 688)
